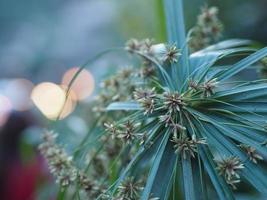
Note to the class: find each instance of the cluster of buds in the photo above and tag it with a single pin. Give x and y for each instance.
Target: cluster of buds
(147, 70)
(251, 152)
(207, 30)
(88, 186)
(59, 163)
(129, 189)
(171, 54)
(228, 168)
(116, 88)
(173, 102)
(163, 53)
(184, 146)
(206, 88)
(146, 98)
(144, 46)
(126, 132)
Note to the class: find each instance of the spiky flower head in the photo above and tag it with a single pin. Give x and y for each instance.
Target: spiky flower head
(172, 54)
(251, 152)
(184, 146)
(177, 128)
(146, 46)
(193, 85)
(148, 105)
(207, 30)
(133, 45)
(208, 87)
(112, 129)
(147, 71)
(85, 183)
(129, 189)
(228, 168)
(146, 98)
(140, 94)
(173, 102)
(128, 132)
(166, 119)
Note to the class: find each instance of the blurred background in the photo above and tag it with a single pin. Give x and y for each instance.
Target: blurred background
(42, 45)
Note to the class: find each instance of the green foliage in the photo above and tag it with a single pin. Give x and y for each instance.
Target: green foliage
(188, 121)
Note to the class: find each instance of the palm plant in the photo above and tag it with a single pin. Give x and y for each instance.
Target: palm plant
(190, 123)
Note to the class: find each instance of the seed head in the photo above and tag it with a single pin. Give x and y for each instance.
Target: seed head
(166, 119)
(171, 54)
(229, 167)
(141, 94)
(146, 45)
(173, 102)
(127, 132)
(251, 152)
(112, 129)
(193, 85)
(129, 189)
(208, 87)
(148, 105)
(186, 146)
(177, 128)
(59, 163)
(133, 45)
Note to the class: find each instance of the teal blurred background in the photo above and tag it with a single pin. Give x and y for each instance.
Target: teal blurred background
(41, 40)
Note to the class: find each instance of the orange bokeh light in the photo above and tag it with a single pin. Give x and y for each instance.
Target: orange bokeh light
(50, 98)
(84, 84)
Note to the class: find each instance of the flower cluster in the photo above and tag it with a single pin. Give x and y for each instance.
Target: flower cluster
(185, 146)
(172, 105)
(127, 131)
(134, 45)
(62, 167)
(172, 54)
(228, 168)
(251, 152)
(206, 88)
(146, 98)
(59, 163)
(129, 189)
(207, 30)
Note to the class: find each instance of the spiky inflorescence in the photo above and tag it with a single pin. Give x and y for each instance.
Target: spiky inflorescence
(185, 146)
(208, 87)
(128, 132)
(252, 153)
(229, 167)
(59, 163)
(207, 30)
(171, 54)
(62, 167)
(129, 189)
(182, 113)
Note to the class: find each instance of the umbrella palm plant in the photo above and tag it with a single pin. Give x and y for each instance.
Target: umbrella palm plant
(192, 123)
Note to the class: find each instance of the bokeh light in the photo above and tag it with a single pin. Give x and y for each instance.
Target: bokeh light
(19, 93)
(70, 104)
(49, 98)
(5, 109)
(84, 84)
